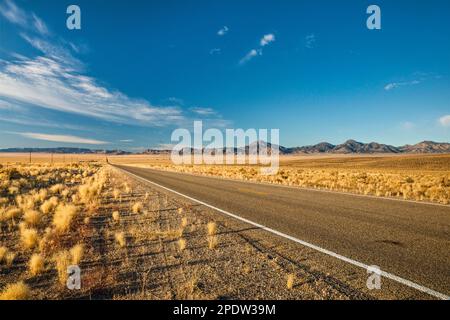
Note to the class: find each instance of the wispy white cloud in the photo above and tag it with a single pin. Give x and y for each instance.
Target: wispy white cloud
(15, 15)
(310, 41)
(445, 121)
(126, 140)
(250, 55)
(55, 81)
(416, 78)
(265, 40)
(40, 26)
(223, 31)
(394, 85)
(203, 111)
(59, 138)
(268, 38)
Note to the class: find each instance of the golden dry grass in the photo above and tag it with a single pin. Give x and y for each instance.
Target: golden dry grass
(77, 253)
(290, 281)
(182, 244)
(62, 262)
(16, 291)
(36, 264)
(120, 239)
(211, 228)
(409, 177)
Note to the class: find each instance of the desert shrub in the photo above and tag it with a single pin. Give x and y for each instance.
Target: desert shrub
(29, 238)
(137, 207)
(16, 291)
(63, 217)
(211, 228)
(36, 264)
(77, 254)
(62, 262)
(120, 239)
(32, 217)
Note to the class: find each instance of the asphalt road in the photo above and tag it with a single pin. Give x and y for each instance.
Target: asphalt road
(410, 240)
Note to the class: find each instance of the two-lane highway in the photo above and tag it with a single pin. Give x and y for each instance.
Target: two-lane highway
(407, 239)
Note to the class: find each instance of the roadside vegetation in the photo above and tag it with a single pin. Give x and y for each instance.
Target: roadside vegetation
(419, 178)
(133, 242)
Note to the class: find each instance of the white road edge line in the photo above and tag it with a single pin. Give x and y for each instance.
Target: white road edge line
(387, 275)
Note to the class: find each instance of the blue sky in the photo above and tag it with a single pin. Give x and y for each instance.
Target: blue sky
(139, 69)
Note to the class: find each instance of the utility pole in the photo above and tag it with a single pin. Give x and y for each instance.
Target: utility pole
(30, 157)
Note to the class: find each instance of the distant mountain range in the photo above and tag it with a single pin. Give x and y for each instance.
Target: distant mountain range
(62, 150)
(348, 147)
(352, 146)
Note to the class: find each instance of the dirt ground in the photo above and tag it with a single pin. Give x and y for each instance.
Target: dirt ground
(162, 250)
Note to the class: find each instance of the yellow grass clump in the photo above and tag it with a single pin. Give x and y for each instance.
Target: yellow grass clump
(290, 281)
(29, 237)
(13, 213)
(32, 217)
(9, 258)
(116, 194)
(3, 252)
(62, 262)
(62, 219)
(184, 222)
(126, 188)
(49, 205)
(57, 188)
(116, 216)
(182, 244)
(212, 228)
(16, 291)
(212, 242)
(36, 264)
(137, 207)
(120, 239)
(77, 253)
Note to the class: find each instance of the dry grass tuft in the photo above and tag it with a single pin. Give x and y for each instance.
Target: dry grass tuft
(63, 217)
(16, 291)
(120, 239)
(29, 238)
(290, 281)
(36, 264)
(32, 217)
(49, 205)
(116, 194)
(182, 244)
(213, 241)
(184, 222)
(137, 207)
(9, 258)
(3, 252)
(62, 262)
(77, 253)
(212, 228)
(116, 216)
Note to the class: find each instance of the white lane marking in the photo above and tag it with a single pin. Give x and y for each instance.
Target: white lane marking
(345, 193)
(388, 275)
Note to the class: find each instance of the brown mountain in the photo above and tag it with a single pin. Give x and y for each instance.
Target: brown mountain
(427, 147)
